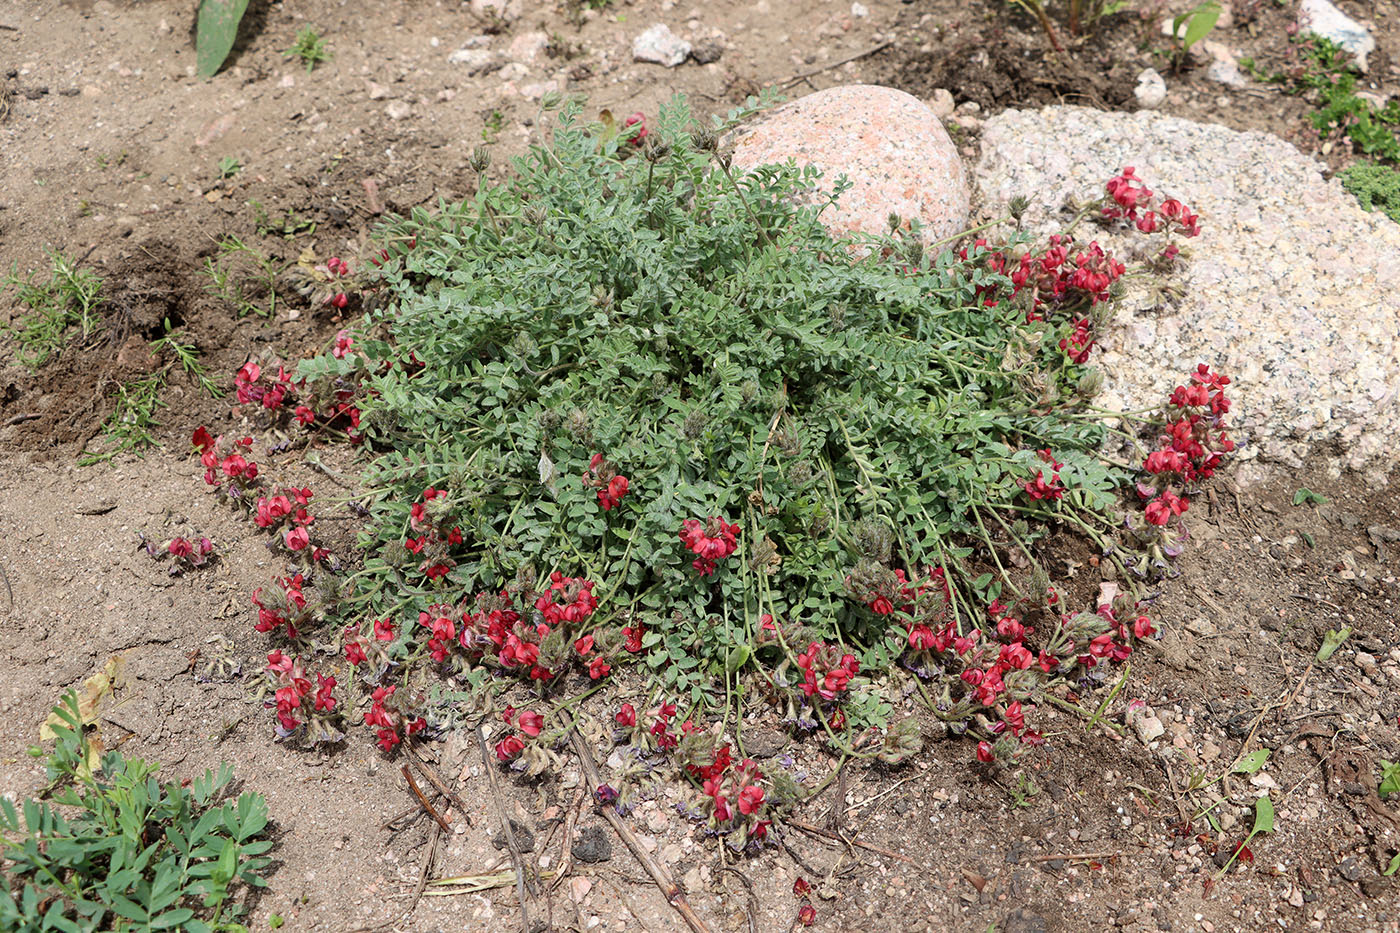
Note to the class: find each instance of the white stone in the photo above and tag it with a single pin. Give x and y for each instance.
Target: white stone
(941, 103)
(506, 11)
(1147, 726)
(1151, 89)
(859, 10)
(1322, 18)
(1291, 289)
(527, 46)
(478, 61)
(891, 147)
(660, 46)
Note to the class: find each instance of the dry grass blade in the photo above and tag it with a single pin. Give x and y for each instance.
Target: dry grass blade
(522, 881)
(752, 910)
(674, 895)
(436, 780)
(423, 801)
(869, 847)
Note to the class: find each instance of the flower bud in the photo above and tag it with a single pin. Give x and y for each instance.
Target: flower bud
(1089, 384)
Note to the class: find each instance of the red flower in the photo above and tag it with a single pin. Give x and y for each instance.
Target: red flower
(626, 715)
(715, 540)
(509, 748)
(921, 638)
(202, 440)
(388, 738)
(807, 915)
(1161, 509)
(297, 539)
(584, 644)
(324, 700)
(383, 630)
(598, 669)
(750, 799)
(531, 724)
(984, 752)
(633, 636)
(355, 653)
(801, 887)
(638, 120)
(881, 606)
(611, 494)
(1040, 489)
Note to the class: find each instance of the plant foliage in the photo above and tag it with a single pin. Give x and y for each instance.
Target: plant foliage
(703, 332)
(127, 852)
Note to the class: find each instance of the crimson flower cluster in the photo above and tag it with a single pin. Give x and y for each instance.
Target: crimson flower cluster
(1041, 489)
(1131, 202)
(1191, 447)
(652, 729)
(392, 725)
(286, 512)
(185, 553)
(337, 268)
(711, 542)
(530, 725)
(1051, 279)
(226, 465)
(736, 797)
(291, 610)
(293, 696)
(603, 476)
(433, 534)
(249, 388)
(826, 672)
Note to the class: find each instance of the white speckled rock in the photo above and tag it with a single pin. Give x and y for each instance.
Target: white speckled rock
(1291, 289)
(892, 148)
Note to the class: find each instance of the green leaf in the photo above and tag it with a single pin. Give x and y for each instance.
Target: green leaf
(1252, 762)
(1394, 865)
(1202, 22)
(1305, 494)
(1263, 816)
(215, 34)
(737, 658)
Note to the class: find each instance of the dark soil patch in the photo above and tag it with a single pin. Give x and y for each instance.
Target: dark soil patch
(1000, 69)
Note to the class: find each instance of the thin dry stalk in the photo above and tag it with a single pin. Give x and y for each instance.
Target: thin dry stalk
(674, 895)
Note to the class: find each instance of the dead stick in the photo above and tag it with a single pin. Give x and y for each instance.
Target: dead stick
(515, 855)
(837, 64)
(413, 786)
(436, 780)
(819, 831)
(674, 895)
(1075, 856)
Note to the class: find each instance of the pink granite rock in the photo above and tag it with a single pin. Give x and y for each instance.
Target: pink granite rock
(892, 148)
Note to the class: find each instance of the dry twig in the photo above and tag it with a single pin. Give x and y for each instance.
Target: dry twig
(413, 786)
(518, 859)
(869, 847)
(674, 895)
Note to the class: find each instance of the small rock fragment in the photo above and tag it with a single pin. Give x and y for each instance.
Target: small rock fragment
(478, 61)
(705, 53)
(1321, 18)
(660, 46)
(592, 845)
(1145, 723)
(941, 103)
(1151, 90)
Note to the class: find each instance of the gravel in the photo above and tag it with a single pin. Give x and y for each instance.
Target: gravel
(1291, 289)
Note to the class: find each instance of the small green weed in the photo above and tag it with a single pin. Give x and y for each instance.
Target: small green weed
(239, 273)
(1376, 187)
(229, 167)
(495, 122)
(129, 426)
(127, 852)
(289, 227)
(1390, 779)
(310, 48)
(67, 300)
(1307, 496)
(1024, 793)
